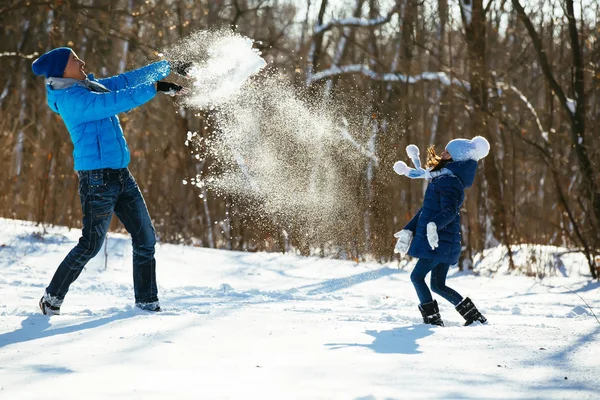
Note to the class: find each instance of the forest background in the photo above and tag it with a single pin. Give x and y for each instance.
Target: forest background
(524, 74)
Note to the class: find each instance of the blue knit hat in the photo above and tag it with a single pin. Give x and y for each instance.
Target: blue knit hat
(53, 63)
(465, 149)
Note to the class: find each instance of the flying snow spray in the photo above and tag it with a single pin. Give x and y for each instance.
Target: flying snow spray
(288, 157)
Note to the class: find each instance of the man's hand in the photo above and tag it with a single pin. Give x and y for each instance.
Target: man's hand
(403, 243)
(172, 89)
(181, 67)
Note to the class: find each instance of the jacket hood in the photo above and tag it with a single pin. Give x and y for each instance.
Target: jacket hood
(56, 87)
(52, 96)
(464, 170)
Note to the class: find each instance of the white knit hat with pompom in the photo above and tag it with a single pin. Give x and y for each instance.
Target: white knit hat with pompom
(465, 149)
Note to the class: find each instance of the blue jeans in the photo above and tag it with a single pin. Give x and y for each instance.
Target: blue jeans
(439, 271)
(103, 192)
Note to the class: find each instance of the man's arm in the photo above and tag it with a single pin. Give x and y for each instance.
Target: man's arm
(148, 74)
(83, 105)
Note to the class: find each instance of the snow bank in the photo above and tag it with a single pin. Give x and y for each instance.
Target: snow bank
(272, 326)
(533, 260)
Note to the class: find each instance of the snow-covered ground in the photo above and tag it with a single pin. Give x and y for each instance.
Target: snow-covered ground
(272, 326)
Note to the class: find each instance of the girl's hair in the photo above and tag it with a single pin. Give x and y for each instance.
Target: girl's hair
(434, 161)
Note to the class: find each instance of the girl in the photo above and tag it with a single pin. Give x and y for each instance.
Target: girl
(436, 226)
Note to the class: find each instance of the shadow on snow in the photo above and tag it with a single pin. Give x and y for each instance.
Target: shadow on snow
(37, 326)
(392, 341)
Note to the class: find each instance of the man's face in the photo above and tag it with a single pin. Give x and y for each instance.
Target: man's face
(74, 68)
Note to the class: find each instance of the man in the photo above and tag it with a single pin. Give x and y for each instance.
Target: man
(89, 108)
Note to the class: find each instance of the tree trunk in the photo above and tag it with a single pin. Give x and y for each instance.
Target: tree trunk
(474, 18)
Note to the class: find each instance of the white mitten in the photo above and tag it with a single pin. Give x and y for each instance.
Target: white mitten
(432, 235)
(403, 243)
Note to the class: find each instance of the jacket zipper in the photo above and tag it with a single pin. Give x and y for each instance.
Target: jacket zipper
(99, 148)
(118, 137)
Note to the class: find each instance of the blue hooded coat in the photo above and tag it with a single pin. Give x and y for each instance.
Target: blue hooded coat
(91, 116)
(443, 198)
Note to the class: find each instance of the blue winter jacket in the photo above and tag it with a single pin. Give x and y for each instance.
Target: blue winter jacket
(443, 198)
(91, 117)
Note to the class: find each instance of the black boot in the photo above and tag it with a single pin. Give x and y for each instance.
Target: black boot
(50, 305)
(431, 313)
(469, 312)
(152, 306)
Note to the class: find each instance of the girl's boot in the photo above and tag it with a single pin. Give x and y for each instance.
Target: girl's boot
(469, 312)
(431, 313)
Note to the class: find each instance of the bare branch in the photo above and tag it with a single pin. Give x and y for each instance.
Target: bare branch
(314, 54)
(545, 64)
(525, 100)
(442, 77)
(24, 3)
(357, 22)
(19, 54)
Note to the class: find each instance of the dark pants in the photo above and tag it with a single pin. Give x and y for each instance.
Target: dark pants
(103, 192)
(439, 271)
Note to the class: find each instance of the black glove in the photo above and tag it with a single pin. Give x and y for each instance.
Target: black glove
(168, 88)
(181, 67)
